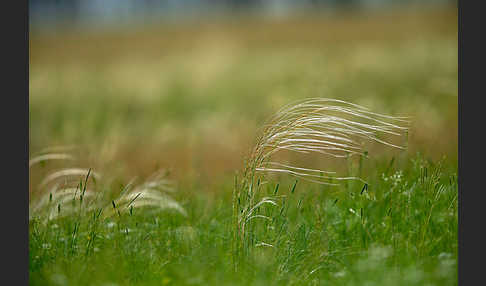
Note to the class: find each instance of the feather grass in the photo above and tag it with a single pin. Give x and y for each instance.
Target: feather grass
(64, 192)
(151, 194)
(47, 157)
(325, 128)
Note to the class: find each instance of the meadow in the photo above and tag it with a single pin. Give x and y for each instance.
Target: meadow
(174, 109)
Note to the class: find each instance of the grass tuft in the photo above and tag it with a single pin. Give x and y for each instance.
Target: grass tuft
(319, 126)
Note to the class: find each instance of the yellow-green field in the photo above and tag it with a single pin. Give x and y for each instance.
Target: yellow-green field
(191, 97)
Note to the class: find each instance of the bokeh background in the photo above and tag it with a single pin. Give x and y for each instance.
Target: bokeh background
(133, 86)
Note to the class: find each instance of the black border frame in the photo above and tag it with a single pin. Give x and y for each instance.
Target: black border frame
(15, 122)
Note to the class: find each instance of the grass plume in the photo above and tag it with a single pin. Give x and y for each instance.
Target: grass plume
(319, 126)
(65, 192)
(152, 193)
(324, 127)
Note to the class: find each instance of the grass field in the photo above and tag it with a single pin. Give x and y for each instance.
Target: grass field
(190, 99)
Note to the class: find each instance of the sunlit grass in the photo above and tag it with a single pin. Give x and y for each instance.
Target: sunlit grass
(402, 230)
(191, 99)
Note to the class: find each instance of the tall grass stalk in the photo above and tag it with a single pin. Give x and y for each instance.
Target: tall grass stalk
(319, 126)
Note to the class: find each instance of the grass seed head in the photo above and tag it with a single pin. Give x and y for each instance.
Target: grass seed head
(323, 127)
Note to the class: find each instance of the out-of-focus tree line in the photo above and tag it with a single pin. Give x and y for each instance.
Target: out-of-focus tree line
(85, 12)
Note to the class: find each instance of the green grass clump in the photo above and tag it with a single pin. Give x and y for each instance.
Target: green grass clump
(401, 230)
(317, 126)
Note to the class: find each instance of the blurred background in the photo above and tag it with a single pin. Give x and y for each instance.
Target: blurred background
(134, 86)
